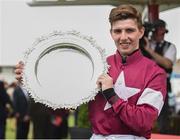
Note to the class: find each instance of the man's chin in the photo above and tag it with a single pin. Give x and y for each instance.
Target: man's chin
(125, 52)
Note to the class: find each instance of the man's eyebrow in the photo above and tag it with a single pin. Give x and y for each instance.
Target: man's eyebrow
(130, 28)
(117, 29)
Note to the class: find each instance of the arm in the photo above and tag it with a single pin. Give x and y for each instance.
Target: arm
(21, 106)
(165, 62)
(15, 102)
(160, 60)
(140, 117)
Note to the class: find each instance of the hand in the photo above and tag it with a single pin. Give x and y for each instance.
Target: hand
(105, 82)
(147, 46)
(18, 70)
(26, 118)
(57, 120)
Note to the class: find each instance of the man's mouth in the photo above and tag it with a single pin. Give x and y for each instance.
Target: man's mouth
(124, 43)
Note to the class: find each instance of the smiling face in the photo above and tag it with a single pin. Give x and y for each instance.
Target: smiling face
(126, 28)
(126, 34)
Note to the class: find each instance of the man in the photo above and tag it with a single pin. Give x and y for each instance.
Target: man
(164, 54)
(21, 108)
(4, 100)
(40, 114)
(59, 124)
(134, 89)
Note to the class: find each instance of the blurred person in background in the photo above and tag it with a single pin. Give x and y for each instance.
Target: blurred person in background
(40, 116)
(175, 84)
(11, 88)
(21, 109)
(59, 124)
(4, 101)
(164, 54)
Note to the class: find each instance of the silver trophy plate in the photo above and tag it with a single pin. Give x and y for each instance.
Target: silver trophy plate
(61, 69)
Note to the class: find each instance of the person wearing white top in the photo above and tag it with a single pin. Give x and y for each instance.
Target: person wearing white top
(164, 54)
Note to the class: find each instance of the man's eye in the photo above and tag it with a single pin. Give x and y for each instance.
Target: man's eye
(130, 30)
(117, 31)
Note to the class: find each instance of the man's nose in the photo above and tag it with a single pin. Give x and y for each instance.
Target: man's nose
(124, 35)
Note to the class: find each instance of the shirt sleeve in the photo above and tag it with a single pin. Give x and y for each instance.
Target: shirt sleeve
(171, 53)
(141, 117)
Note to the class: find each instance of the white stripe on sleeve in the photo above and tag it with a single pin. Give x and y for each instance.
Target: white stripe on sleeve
(153, 98)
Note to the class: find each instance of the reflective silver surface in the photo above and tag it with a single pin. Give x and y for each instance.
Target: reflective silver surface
(62, 68)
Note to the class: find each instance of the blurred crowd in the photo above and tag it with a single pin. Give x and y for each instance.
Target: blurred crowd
(47, 123)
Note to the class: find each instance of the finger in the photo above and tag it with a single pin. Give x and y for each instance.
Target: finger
(18, 71)
(105, 75)
(99, 83)
(18, 77)
(102, 76)
(21, 62)
(19, 65)
(108, 73)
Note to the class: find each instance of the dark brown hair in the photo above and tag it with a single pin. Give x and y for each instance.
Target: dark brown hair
(124, 12)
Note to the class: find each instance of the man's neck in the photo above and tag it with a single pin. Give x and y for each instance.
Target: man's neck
(124, 57)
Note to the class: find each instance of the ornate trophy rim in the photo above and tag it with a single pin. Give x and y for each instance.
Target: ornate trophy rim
(62, 44)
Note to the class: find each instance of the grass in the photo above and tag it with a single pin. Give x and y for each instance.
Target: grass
(11, 127)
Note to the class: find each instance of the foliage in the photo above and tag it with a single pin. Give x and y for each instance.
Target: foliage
(83, 119)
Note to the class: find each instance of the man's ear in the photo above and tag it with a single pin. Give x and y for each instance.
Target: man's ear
(141, 30)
